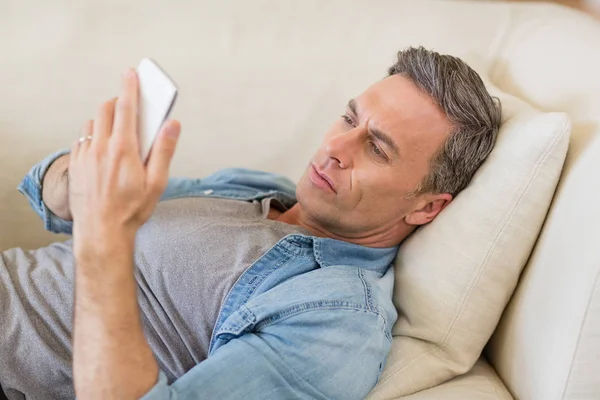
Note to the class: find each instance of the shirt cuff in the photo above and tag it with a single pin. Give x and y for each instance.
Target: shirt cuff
(31, 187)
(160, 391)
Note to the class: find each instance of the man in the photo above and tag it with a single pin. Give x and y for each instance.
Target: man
(239, 285)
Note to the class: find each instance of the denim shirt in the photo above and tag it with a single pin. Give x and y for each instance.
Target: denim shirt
(310, 319)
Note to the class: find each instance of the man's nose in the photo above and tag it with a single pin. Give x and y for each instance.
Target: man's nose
(342, 147)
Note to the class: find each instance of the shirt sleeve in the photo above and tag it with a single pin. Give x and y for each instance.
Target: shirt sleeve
(31, 188)
(319, 354)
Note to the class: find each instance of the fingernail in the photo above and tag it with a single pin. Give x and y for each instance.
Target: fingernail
(172, 131)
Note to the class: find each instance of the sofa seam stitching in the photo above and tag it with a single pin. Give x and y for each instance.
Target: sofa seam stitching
(390, 375)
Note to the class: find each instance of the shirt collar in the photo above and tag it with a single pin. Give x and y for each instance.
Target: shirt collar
(328, 252)
(336, 252)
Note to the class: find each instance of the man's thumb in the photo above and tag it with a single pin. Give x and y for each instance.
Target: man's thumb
(162, 153)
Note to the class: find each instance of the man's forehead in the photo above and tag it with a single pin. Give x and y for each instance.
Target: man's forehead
(396, 103)
(393, 93)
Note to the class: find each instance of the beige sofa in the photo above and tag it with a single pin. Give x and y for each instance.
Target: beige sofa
(261, 80)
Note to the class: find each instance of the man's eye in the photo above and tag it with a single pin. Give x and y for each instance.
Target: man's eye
(377, 151)
(347, 120)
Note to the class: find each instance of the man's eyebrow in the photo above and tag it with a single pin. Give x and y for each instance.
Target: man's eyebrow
(388, 141)
(352, 106)
(377, 134)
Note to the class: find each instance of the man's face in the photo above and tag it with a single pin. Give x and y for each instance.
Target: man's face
(372, 157)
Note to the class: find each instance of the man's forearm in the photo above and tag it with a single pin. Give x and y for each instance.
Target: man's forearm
(111, 195)
(55, 188)
(111, 356)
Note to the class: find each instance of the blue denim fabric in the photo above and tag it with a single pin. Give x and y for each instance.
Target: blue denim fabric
(310, 319)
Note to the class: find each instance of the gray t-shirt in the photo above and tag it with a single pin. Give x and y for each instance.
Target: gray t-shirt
(188, 256)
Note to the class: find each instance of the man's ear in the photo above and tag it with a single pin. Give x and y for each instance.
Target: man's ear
(430, 207)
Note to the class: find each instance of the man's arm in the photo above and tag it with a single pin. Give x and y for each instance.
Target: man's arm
(45, 200)
(111, 357)
(111, 194)
(46, 186)
(55, 188)
(315, 354)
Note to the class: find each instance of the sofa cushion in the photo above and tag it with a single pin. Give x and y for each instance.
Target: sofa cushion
(455, 276)
(481, 383)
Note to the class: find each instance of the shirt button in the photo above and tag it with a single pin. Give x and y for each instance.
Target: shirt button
(209, 191)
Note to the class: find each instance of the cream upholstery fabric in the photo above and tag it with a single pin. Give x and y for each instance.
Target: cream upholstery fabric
(261, 80)
(548, 344)
(480, 383)
(455, 275)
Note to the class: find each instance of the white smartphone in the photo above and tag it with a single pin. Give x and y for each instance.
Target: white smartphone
(157, 94)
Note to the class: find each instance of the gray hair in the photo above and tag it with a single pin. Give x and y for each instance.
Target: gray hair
(474, 114)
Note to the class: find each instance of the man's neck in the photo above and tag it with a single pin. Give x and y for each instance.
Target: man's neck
(379, 238)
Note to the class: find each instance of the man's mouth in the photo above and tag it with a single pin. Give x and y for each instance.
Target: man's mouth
(320, 179)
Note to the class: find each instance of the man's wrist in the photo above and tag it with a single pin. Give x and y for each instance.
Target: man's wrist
(102, 244)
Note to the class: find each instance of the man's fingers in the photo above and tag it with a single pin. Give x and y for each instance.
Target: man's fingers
(161, 155)
(86, 131)
(124, 130)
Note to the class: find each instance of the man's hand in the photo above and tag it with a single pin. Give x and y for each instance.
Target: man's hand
(110, 189)
(112, 193)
